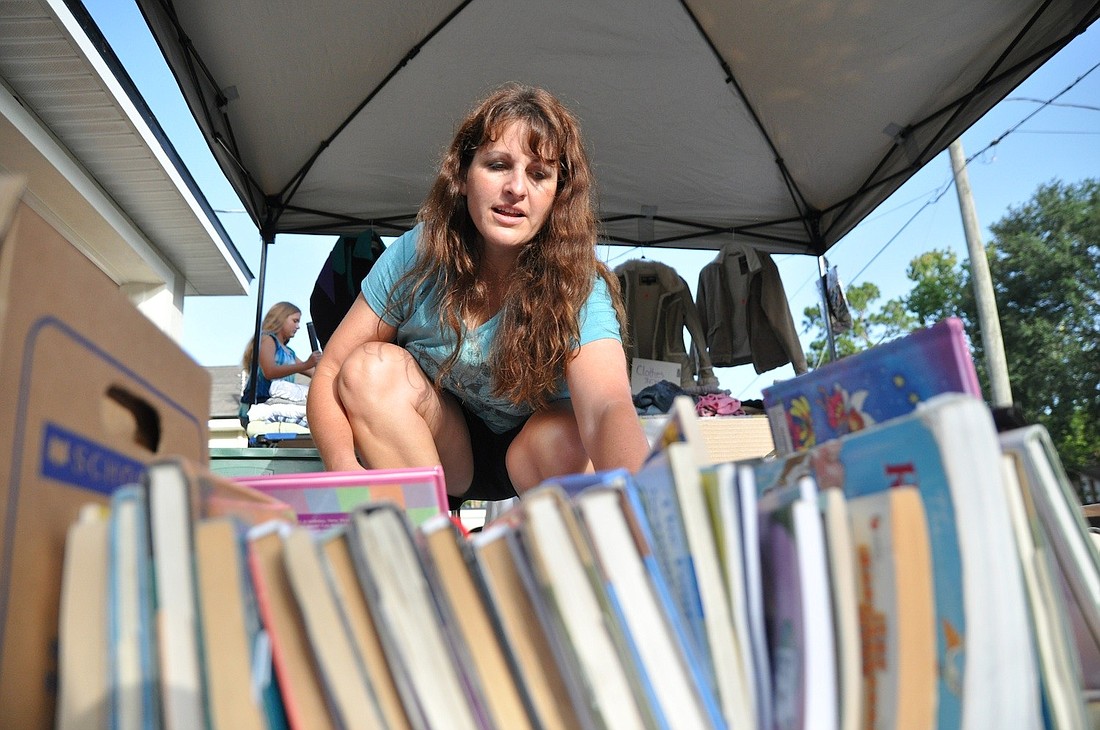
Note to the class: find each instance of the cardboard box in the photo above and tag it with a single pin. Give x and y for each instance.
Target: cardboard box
(727, 438)
(91, 391)
(736, 438)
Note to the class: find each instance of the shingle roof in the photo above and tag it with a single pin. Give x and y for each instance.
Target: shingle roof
(226, 383)
(225, 390)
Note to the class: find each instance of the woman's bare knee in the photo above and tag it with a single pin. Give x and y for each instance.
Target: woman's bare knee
(375, 377)
(549, 445)
(397, 415)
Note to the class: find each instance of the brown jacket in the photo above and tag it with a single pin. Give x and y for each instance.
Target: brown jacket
(744, 312)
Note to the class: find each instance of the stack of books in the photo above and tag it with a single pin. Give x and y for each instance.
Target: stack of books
(921, 571)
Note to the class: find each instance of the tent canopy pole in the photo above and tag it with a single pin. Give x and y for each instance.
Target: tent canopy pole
(268, 239)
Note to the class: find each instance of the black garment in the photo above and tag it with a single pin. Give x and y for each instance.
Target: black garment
(339, 280)
(491, 481)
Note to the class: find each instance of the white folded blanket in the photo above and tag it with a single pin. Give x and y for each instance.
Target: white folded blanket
(282, 412)
(287, 392)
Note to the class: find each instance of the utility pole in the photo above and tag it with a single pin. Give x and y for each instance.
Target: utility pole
(990, 322)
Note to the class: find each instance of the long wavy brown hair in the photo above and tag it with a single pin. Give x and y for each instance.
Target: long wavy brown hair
(555, 271)
(273, 321)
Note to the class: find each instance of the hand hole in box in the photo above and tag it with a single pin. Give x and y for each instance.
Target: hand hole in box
(129, 418)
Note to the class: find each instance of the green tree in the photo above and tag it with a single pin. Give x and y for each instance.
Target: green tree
(1044, 258)
(940, 288)
(871, 324)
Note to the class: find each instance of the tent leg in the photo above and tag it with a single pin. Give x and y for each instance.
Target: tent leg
(823, 273)
(253, 370)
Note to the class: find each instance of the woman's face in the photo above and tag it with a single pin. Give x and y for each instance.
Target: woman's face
(509, 191)
(290, 326)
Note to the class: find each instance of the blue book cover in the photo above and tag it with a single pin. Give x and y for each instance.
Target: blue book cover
(574, 484)
(655, 491)
(869, 387)
(132, 639)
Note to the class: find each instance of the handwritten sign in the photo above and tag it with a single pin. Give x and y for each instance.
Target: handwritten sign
(644, 373)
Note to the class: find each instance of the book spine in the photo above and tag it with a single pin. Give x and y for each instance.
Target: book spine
(632, 507)
(657, 497)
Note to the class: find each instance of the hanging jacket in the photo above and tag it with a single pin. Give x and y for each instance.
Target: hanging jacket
(658, 308)
(744, 312)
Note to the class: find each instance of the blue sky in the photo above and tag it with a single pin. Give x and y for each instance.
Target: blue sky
(1020, 144)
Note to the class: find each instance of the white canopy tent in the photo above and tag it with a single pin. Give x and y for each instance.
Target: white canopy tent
(783, 124)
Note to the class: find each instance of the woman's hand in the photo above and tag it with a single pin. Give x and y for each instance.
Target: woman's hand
(307, 366)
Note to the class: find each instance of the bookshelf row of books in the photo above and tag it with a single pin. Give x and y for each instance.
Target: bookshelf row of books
(925, 571)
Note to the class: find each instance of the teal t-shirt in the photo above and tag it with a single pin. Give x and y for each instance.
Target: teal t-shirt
(419, 333)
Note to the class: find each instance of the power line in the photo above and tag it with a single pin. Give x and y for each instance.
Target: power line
(1055, 131)
(1043, 104)
(1040, 108)
(1048, 103)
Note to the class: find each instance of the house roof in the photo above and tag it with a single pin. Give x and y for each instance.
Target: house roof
(225, 390)
(97, 163)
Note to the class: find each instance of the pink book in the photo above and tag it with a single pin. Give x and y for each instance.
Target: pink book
(324, 499)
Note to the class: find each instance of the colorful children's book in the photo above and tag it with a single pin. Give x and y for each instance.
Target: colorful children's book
(869, 387)
(948, 449)
(896, 607)
(324, 499)
(797, 608)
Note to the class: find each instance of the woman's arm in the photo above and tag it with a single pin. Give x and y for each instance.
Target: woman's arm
(610, 428)
(328, 423)
(274, 371)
